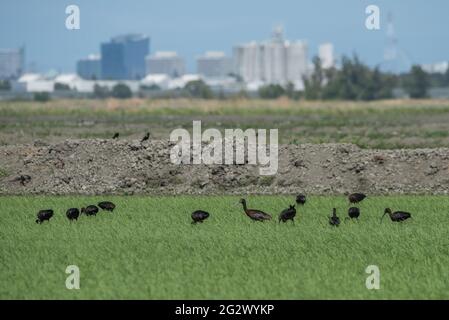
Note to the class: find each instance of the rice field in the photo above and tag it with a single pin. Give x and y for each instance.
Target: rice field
(148, 249)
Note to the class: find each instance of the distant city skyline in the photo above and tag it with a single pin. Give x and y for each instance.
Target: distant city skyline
(193, 27)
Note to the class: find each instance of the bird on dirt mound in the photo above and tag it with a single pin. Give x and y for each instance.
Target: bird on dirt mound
(44, 215)
(73, 214)
(199, 216)
(90, 210)
(354, 213)
(356, 197)
(397, 216)
(107, 205)
(334, 220)
(253, 214)
(288, 214)
(145, 137)
(301, 199)
(116, 135)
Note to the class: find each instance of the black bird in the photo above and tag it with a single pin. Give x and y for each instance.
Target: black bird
(334, 220)
(301, 199)
(73, 214)
(354, 213)
(253, 214)
(145, 137)
(23, 179)
(44, 215)
(356, 197)
(199, 216)
(107, 205)
(288, 214)
(396, 216)
(90, 210)
(116, 135)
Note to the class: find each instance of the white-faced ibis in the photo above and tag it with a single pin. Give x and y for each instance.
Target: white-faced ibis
(301, 199)
(44, 215)
(334, 220)
(90, 210)
(116, 135)
(354, 213)
(253, 214)
(396, 216)
(288, 214)
(73, 214)
(356, 197)
(199, 216)
(107, 205)
(145, 137)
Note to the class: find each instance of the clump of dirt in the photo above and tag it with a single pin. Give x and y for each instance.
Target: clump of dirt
(98, 166)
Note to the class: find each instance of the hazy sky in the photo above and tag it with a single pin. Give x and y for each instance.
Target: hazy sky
(191, 27)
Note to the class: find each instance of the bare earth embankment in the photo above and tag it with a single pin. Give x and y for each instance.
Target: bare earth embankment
(99, 166)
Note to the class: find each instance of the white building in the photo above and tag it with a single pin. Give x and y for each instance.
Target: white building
(32, 82)
(11, 63)
(214, 64)
(160, 80)
(438, 67)
(272, 62)
(165, 62)
(326, 55)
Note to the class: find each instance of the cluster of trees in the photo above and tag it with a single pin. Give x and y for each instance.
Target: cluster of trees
(119, 91)
(5, 85)
(355, 81)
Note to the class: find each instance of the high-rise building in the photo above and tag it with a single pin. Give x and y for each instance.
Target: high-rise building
(89, 68)
(124, 57)
(326, 55)
(12, 63)
(276, 61)
(214, 64)
(248, 62)
(165, 62)
(297, 63)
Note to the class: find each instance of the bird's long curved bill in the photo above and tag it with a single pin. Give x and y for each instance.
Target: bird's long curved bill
(383, 217)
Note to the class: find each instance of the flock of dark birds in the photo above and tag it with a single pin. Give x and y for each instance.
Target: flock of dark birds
(146, 137)
(74, 213)
(199, 216)
(290, 213)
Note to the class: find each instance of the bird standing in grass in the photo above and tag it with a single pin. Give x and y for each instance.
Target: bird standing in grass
(145, 137)
(356, 197)
(334, 220)
(44, 215)
(107, 205)
(90, 210)
(354, 213)
(72, 214)
(253, 214)
(288, 214)
(116, 135)
(199, 216)
(397, 216)
(301, 199)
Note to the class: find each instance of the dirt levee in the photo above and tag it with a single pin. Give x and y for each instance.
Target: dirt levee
(129, 167)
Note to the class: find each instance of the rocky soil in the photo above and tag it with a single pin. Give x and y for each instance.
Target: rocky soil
(129, 167)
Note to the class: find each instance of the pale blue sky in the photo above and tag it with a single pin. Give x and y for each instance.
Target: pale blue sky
(194, 26)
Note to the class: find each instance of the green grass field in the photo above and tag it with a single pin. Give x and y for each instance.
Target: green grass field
(147, 249)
